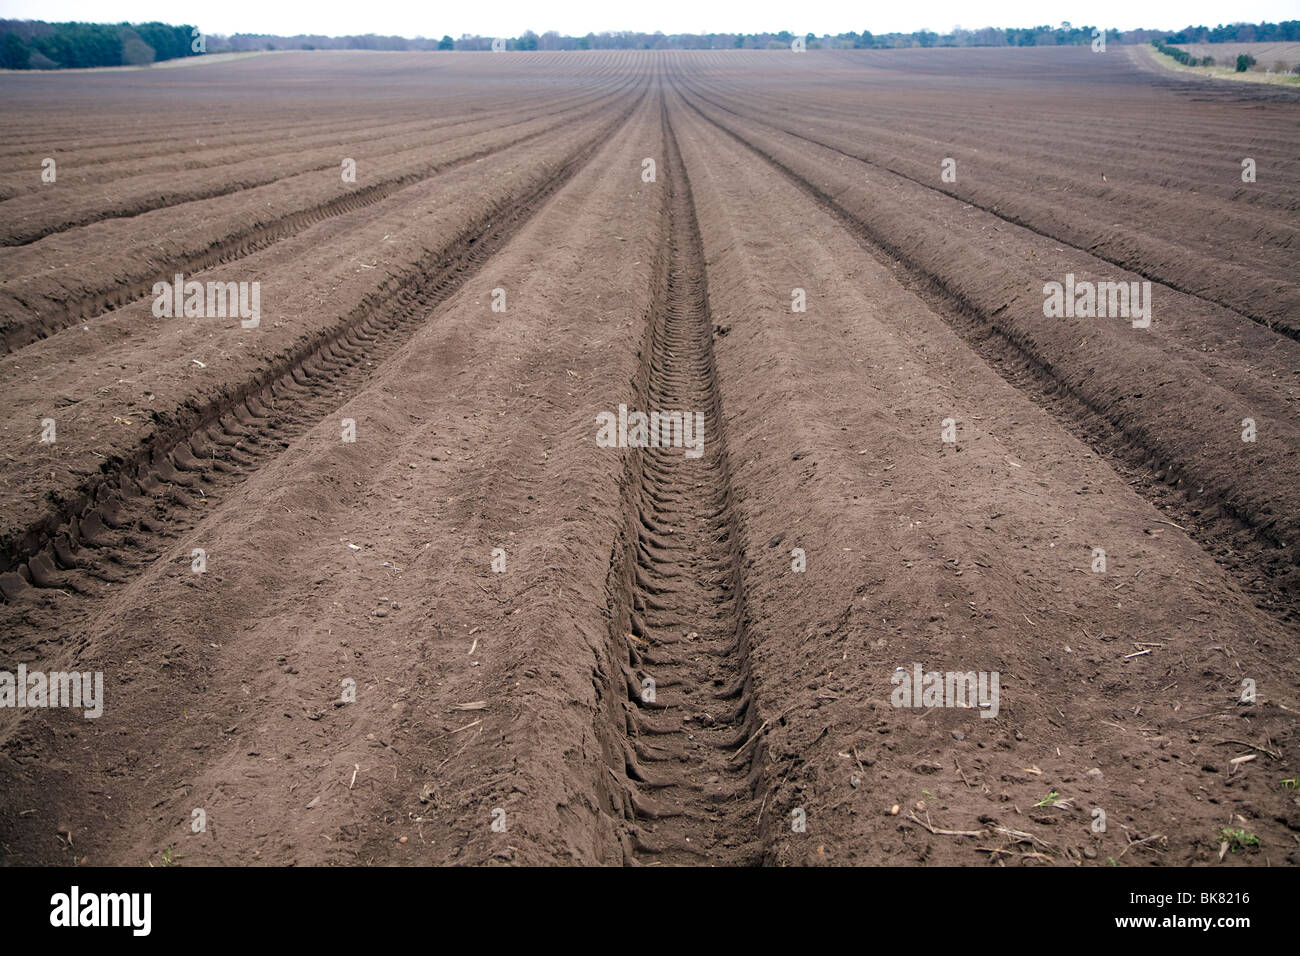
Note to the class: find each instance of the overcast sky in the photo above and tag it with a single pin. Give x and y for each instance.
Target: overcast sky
(511, 17)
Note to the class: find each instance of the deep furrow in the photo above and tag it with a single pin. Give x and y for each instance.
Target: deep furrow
(119, 519)
(688, 755)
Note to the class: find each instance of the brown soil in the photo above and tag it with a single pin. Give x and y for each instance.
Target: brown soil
(685, 660)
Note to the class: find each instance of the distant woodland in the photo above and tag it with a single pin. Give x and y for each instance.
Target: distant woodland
(37, 45)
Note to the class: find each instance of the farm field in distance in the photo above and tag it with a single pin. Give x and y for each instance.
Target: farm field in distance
(1266, 54)
(978, 362)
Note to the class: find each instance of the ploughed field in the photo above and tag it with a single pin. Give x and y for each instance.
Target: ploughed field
(650, 458)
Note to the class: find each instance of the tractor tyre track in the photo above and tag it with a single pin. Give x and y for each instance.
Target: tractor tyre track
(689, 759)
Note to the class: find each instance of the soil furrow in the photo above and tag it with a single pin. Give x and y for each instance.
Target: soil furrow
(123, 289)
(168, 197)
(777, 521)
(1129, 263)
(117, 520)
(1241, 534)
(689, 751)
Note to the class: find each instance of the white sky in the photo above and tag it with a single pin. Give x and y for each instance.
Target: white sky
(511, 17)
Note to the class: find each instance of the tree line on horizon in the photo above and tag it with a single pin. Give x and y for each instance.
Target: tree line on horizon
(35, 44)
